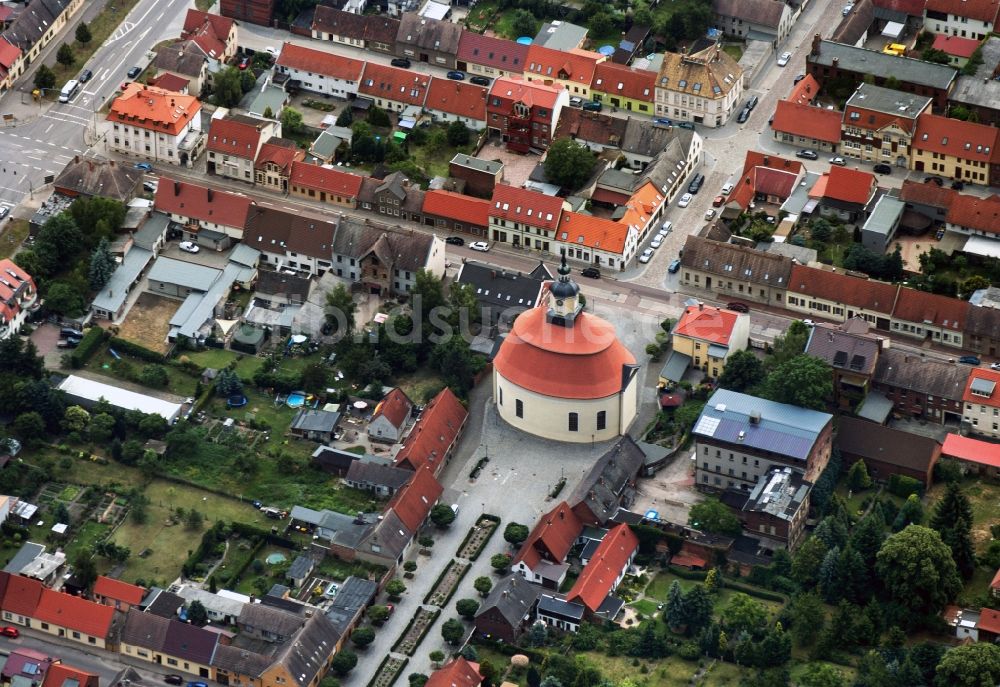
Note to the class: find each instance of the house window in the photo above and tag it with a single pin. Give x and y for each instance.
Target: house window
(519, 408)
(574, 422)
(500, 395)
(602, 419)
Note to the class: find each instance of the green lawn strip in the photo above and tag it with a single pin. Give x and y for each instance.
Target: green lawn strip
(419, 384)
(83, 536)
(101, 26)
(13, 236)
(668, 672)
(179, 382)
(644, 606)
(733, 50)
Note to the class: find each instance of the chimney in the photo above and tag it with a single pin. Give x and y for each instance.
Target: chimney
(562, 516)
(815, 46)
(210, 195)
(754, 417)
(836, 61)
(177, 188)
(701, 306)
(76, 158)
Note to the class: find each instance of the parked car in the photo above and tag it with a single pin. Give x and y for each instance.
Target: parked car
(134, 72)
(939, 234)
(846, 9)
(481, 246)
(882, 168)
(710, 214)
(480, 80)
(70, 333)
(726, 189)
(197, 684)
(144, 166)
(593, 106)
(456, 75)
(685, 200)
(718, 201)
(4, 211)
(696, 183)
(970, 360)
(675, 266)
(686, 125)
(798, 77)
(10, 631)
(934, 180)
(958, 184)
(150, 186)
(743, 116)
(738, 307)
(85, 76)
(591, 272)
(995, 366)
(400, 62)
(576, 101)
(809, 323)
(244, 63)
(839, 161)
(271, 50)
(173, 679)
(663, 121)
(784, 59)
(67, 343)
(807, 154)
(646, 256)
(455, 241)
(656, 242)
(752, 103)
(188, 246)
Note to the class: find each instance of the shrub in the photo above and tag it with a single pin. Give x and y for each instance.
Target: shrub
(902, 486)
(93, 338)
(500, 562)
(395, 589)
(467, 607)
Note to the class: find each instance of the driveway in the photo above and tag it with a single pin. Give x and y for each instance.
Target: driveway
(45, 338)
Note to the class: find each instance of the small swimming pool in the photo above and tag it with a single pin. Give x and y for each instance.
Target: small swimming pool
(296, 399)
(275, 558)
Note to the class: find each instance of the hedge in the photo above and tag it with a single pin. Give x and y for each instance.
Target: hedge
(440, 577)
(402, 667)
(902, 486)
(700, 576)
(88, 346)
(472, 531)
(434, 616)
(134, 350)
(536, 657)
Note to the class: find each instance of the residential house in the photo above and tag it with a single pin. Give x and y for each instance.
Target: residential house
(910, 13)
(72, 617)
(120, 595)
(291, 240)
(62, 675)
(555, 611)
(982, 330)
(325, 184)
(90, 178)
(978, 458)
(393, 196)
(204, 212)
(957, 150)
(20, 598)
(830, 62)
(974, 217)
(169, 642)
(735, 271)
(234, 141)
(572, 69)
(642, 141)
(320, 71)
(456, 101)
(599, 132)
(170, 82)
(929, 202)
(856, 27)
(935, 394)
(966, 18)
(314, 424)
(887, 452)
(299, 662)
(273, 166)
(541, 558)
(767, 182)
(704, 86)
(428, 40)
(480, 176)
(929, 316)
(739, 437)
(561, 35)
(958, 50)
(394, 89)
(215, 34)
(982, 403)
(185, 62)
(879, 230)
(391, 417)
(632, 44)
(384, 261)
(879, 124)
(18, 298)
(502, 295)
(603, 573)
(979, 93)
(298, 572)
(156, 125)
(609, 484)
(988, 627)
(29, 32)
(374, 32)
(378, 478)
(456, 213)
(844, 193)
(458, 673)
(852, 354)
(807, 126)
(412, 504)
(705, 338)
(508, 610)
(762, 20)
(490, 56)
(352, 599)
(26, 666)
(521, 217)
(434, 434)
(595, 240)
(775, 513)
(524, 114)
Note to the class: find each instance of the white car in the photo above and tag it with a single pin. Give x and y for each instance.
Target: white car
(838, 161)
(481, 246)
(646, 256)
(995, 366)
(710, 214)
(655, 243)
(784, 59)
(3, 211)
(662, 235)
(685, 200)
(808, 323)
(188, 246)
(271, 50)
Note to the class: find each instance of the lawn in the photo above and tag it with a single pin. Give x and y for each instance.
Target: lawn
(660, 584)
(503, 28)
(218, 358)
(85, 534)
(102, 26)
(734, 50)
(645, 606)
(435, 163)
(668, 672)
(179, 383)
(983, 495)
(421, 385)
(13, 236)
(479, 16)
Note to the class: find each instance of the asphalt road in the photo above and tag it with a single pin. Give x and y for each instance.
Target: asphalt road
(50, 133)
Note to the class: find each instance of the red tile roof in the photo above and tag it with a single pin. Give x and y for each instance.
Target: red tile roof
(395, 407)
(458, 207)
(805, 91)
(201, 203)
(22, 595)
(458, 673)
(707, 323)
(532, 94)
(118, 590)
(869, 294)
(577, 66)
(808, 121)
(152, 108)
(554, 533)
(527, 207)
(753, 165)
(434, 433)
(617, 79)
(74, 613)
(61, 675)
(320, 62)
(955, 45)
(457, 98)
(975, 451)
(169, 81)
(414, 501)
(774, 182)
(849, 185)
(237, 136)
(755, 158)
(320, 178)
(282, 155)
(868, 119)
(926, 194)
(593, 232)
(972, 212)
(987, 376)
(931, 309)
(8, 53)
(209, 31)
(391, 83)
(489, 51)
(609, 560)
(981, 10)
(989, 620)
(964, 140)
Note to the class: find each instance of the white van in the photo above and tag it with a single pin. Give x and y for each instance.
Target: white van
(68, 91)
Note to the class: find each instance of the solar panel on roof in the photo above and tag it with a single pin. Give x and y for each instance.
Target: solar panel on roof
(706, 425)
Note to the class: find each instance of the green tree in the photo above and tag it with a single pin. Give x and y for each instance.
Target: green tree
(911, 513)
(743, 614)
(58, 243)
(791, 344)
(362, 637)
(802, 381)
(196, 613)
(291, 120)
(515, 533)
(523, 23)
(63, 298)
(65, 55)
(45, 78)
(378, 117)
(467, 608)
(437, 657)
(483, 585)
(84, 569)
(149, 464)
(378, 614)
(76, 419)
(568, 163)
(972, 665)
(673, 613)
(329, 681)
(395, 589)
(427, 296)
(538, 634)
(458, 134)
(916, 569)
(452, 631)
(102, 265)
(743, 371)
(102, 426)
(344, 662)
(952, 519)
(346, 117)
(154, 376)
(698, 608)
(442, 515)
(821, 675)
(500, 562)
(857, 476)
(808, 618)
(464, 305)
(227, 383)
(973, 284)
(83, 33)
(340, 310)
(29, 427)
(457, 363)
(227, 87)
(711, 515)
(687, 414)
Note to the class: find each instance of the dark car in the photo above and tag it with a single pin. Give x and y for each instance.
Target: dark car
(455, 241)
(134, 72)
(70, 333)
(663, 121)
(970, 360)
(738, 307)
(480, 80)
(593, 106)
(934, 180)
(85, 76)
(400, 62)
(591, 272)
(752, 103)
(798, 78)
(244, 63)
(173, 679)
(456, 76)
(743, 116)
(807, 155)
(67, 343)
(882, 168)
(958, 185)
(696, 183)
(197, 684)
(686, 125)
(675, 266)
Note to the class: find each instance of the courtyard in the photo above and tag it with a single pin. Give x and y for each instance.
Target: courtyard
(148, 321)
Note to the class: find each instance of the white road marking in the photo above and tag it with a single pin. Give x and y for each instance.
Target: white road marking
(49, 128)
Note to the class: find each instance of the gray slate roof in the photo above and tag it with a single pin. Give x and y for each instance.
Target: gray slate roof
(643, 137)
(103, 178)
(601, 489)
(557, 605)
(378, 474)
(405, 251)
(28, 552)
(487, 166)
(983, 322)
(311, 649)
(182, 57)
(429, 34)
(888, 101)
(844, 350)
(183, 273)
(144, 629)
(113, 294)
(300, 568)
(744, 263)
(499, 288)
(313, 420)
(896, 447)
(513, 597)
(881, 65)
(165, 604)
(351, 599)
(236, 660)
(270, 619)
(946, 380)
(763, 12)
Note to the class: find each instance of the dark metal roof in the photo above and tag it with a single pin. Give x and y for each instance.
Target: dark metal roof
(876, 442)
(378, 474)
(601, 489)
(513, 597)
(945, 380)
(350, 601)
(558, 606)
